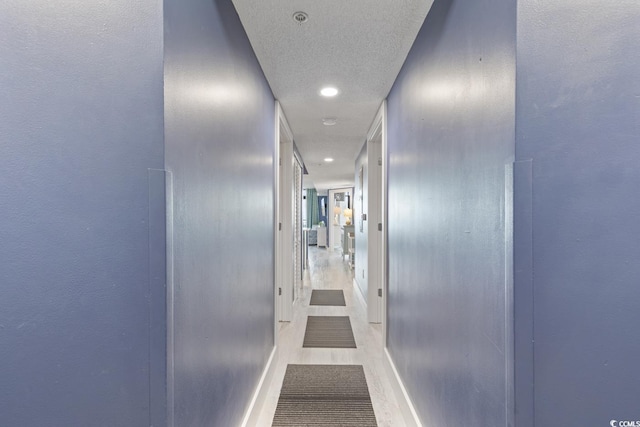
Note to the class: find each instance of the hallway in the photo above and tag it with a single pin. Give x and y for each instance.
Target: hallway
(327, 271)
(140, 184)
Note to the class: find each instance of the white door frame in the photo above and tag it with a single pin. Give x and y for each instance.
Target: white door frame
(283, 224)
(296, 223)
(377, 241)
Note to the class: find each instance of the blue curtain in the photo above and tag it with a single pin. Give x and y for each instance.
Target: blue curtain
(312, 207)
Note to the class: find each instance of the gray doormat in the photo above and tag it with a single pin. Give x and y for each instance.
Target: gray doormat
(329, 332)
(324, 395)
(327, 297)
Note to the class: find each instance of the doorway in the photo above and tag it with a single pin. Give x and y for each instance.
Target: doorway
(286, 236)
(376, 222)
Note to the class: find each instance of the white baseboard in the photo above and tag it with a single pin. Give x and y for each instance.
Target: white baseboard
(358, 292)
(253, 411)
(404, 401)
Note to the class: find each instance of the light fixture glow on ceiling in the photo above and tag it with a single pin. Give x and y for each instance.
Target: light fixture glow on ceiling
(328, 91)
(329, 121)
(328, 159)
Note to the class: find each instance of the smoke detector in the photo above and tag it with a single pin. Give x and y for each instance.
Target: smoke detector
(300, 17)
(329, 121)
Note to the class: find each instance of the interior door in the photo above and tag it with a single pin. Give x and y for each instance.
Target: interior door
(286, 238)
(297, 229)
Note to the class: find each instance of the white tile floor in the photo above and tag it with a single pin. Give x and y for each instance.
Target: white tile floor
(327, 270)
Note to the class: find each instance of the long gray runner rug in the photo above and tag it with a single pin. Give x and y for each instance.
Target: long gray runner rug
(327, 297)
(329, 332)
(324, 395)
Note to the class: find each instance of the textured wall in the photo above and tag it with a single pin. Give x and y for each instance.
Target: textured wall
(80, 124)
(219, 151)
(578, 103)
(450, 143)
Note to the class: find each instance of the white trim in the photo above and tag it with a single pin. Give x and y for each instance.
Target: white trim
(276, 220)
(283, 226)
(508, 294)
(376, 247)
(296, 226)
(170, 302)
(377, 122)
(402, 396)
(358, 293)
(287, 267)
(285, 122)
(384, 201)
(375, 256)
(259, 396)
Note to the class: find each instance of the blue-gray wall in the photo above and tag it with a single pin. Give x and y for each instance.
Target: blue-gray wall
(82, 228)
(220, 133)
(578, 127)
(451, 117)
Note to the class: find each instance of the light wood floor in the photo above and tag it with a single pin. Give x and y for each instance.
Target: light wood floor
(327, 270)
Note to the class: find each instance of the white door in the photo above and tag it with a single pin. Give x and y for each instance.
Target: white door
(376, 252)
(297, 230)
(285, 261)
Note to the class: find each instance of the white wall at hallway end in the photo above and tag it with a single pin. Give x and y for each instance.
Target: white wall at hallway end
(334, 230)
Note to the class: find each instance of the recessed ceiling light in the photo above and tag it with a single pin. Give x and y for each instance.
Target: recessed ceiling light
(328, 159)
(329, 121)
(329, 91)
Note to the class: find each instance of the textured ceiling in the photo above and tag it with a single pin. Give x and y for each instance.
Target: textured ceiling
(357, 46)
